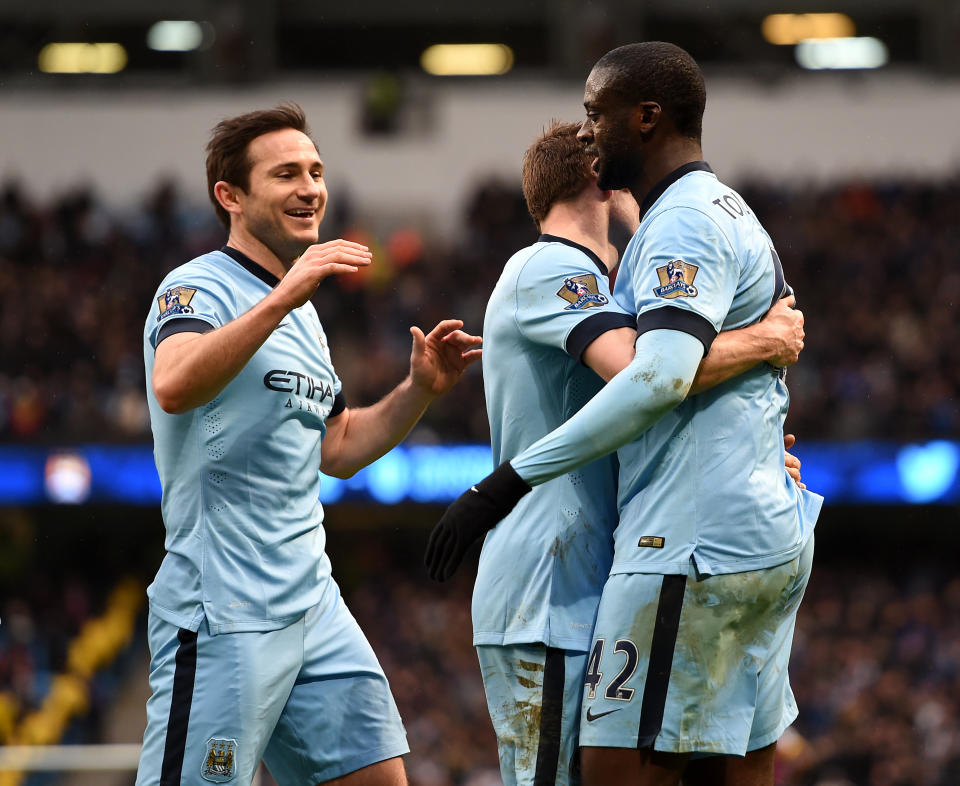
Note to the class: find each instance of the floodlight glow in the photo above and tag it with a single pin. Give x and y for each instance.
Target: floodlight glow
(388, 478)
(789, 29)
(841, 53)
(860, 473)
(467, 59)
(175, 36)
(928, 471)
(81, 58)
(67, 478)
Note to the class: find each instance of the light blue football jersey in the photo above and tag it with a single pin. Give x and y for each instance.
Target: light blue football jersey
(543, 568)
(707, 481)
(244, 535)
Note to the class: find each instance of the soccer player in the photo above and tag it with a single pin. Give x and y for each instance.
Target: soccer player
(253, 653)
(687, 675)
(553, 333)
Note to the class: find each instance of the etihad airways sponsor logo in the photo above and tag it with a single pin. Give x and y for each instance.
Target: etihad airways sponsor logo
(299, 384)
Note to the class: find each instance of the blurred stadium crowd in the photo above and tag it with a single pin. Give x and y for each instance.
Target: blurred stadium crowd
(873, 265)
(876, 664)
(876, 670)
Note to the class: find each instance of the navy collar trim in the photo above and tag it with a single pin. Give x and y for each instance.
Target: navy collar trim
(657, 191)
(557, 239)
(251, 267)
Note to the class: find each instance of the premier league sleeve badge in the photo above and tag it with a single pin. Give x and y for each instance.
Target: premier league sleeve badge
(676, 280)
(581, 292)
(175, 300)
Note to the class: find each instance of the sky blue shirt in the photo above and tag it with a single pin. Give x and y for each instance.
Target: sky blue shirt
(244, 535)
(543, 568)
(707, 481)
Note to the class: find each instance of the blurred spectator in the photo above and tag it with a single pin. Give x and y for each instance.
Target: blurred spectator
(876, 671)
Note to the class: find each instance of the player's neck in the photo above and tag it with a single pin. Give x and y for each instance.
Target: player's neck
(259, 252)
(672, 154)
(583, 224)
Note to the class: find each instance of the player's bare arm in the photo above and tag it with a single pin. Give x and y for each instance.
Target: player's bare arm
(611, 352)
(776, 339)
(358, 437)
(191, 369)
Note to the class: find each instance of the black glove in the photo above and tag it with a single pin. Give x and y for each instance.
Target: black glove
(469, 517)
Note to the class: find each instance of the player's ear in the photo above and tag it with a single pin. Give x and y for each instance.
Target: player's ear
(227, 196)
(645, 116)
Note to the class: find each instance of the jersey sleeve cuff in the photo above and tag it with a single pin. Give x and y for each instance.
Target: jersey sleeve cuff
(593, 326)
(673, 318)
(339, 404)
(182, 325)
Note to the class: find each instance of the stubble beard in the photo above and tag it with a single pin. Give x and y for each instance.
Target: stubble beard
(620, 164)
(615, 174)
(285, 247)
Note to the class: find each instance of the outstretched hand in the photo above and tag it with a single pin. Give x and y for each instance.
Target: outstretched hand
(439, 358)
(469, 517)
(335, 257)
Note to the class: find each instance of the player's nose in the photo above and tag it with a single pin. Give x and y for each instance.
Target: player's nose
(309, 189)
(585, 134)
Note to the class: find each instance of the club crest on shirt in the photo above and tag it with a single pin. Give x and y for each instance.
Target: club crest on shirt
(676, 280)
(175, 300)
(581, 292)
(219, 761)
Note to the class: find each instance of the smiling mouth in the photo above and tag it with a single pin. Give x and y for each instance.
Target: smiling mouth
(303, 213)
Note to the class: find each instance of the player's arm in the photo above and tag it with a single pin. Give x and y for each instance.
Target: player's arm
(655, 381)
(777, 339)
(611, 352)
(190, 369)
(358, 437)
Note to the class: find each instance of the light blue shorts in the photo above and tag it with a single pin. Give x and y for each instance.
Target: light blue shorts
(533, 694)
(309, 699)
(683, 665)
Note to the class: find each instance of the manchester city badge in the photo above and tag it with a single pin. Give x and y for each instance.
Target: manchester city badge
(219, 762)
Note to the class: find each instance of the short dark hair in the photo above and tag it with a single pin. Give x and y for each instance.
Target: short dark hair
(555, 168)
(662, 72)
(229, 143)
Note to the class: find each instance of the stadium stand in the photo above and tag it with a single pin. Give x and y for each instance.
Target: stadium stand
(76, 281)
(877, 660)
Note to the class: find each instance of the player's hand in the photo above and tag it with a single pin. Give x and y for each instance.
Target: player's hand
(791, 462)
(439, 358)
(315, 264)
(469, 517)
(783, 325)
